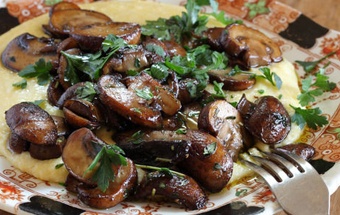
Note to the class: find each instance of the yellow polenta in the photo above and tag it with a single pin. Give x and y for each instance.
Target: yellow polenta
(128, 11)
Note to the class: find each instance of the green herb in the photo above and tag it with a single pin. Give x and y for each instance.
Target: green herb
(156, 49)
(312, 89)
(137, 110)
(40, 70)
(310, 66)
(312, 117)
(210, 149)
(91, 64)
(20, 84)
(272, 77)
(219, 93)
(158, 71)
(217, 166)
(86, 92)
(108, 155)
(164, 170)
(260, 91)
(58, 166)
(220, 15)
(181, 131)
(178, 27)
(144, 93)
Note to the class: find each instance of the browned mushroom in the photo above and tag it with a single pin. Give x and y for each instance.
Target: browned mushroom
(81, 113)
(118, 190)
(174, 49)
(62, 69)
(26, 49)
(152, 147)
(167, 101)
(32, 123)
(250, 46)
(16, 144)
(301, 149)
(209, 162)
(222, 120)
(213, 36)
(54, 91)
(114, 94)
(79, 151)
(63, 6)
(177, 188)
(62, 22)
(267, 119)
(135, 59)
(239, 81)
(90, 37)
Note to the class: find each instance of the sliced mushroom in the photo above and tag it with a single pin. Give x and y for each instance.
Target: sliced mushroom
(119, 189)
(213, 36)
(26, 49)
(124, 101)
(69, 93)
(209, 162)
(17, 144)
(32, 123)
(64, 81)
(182, 190)
(240, 81)
(80, 149)
(152, 147)
(90, 37)
(81, 113)
(250, 46)
(174, 49)
(47, 151)
(54, 91)
(135, 59)
(267, 119)
(223, 121)
(62, 22)
(301, 149)
(63, 6)
(167, 101)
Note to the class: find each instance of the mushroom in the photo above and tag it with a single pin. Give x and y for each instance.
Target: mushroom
(153, 147)
(119, 189)
(80, 149)
(181, 189)
(62, 22)
(223, 121)
(233, 82)
(81, 113)
(114, 94)
(90, 37)
(31, 123)
(17, 144)
(250, 46)
(208, 162)
(267, 119)
(37, 127)
(26, 49)
(301, 149)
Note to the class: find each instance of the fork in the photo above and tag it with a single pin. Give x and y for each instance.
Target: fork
(297, 186)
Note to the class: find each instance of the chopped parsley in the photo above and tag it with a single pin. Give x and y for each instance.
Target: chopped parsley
(272, 77)
(309, 66)
(312, 117)
(108, 155)
(86, 92)
(40, 70)
(210, 149)
(91, 64)
(144, 93)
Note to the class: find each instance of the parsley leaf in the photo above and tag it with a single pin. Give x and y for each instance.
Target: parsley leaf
(91, 64)
(210, 149)
(107, 156)
(41, 70)
(310, 66)
(312, 89)
(177, 27)
(86, 92)
(219, 93)
(144, 93)
(312, 117)
(272, 77)
(165, 170)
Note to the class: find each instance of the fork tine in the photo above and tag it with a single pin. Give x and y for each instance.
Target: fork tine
(271, 181)
(289, 168)
(272, 169)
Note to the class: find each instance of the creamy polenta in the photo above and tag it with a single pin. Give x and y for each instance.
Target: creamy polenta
(138, 11)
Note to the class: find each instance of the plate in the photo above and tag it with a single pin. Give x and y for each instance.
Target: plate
(20, 193)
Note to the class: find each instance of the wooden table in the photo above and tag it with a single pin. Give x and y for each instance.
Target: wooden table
(326, 13)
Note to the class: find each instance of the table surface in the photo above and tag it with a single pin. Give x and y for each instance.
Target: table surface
(326, 13)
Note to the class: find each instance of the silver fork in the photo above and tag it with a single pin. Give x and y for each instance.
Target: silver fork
(297, 186)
